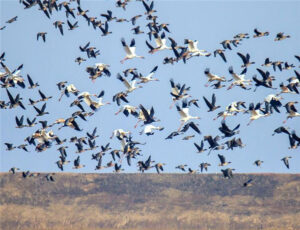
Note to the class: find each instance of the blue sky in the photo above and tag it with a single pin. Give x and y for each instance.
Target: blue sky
(205, 21)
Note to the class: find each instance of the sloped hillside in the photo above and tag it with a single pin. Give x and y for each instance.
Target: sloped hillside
(150, 201)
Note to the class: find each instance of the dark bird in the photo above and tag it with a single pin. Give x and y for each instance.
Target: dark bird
(259, 34)
(14, 102)
(248, 183)
(245, 59)
(190, 125)
(228, 132)
(201, 147)
(13, 170)
(221, 53)
(31, 83)
(43, 96)
(204, 166)
(281, 129)
(223, 161)
(149, 8)
(104, 30)
(41, 111)
(9, 146)
(41, 34)
(212, 106)
(12, 19)
(227, 173)
(72, 26)
(77, 164)
(19, 122)
(258, 163)
(213, 143)
(286, 161)
(43, 8)
(59, 24)
(280, 36)
(108, 16)
(133, 19)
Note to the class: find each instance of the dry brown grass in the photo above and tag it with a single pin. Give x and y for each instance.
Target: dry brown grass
(135, 201)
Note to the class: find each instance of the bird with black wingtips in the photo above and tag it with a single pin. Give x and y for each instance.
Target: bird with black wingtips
(148, 129)
(134, 18)
(129, 85)
(293, 144)
(226, 44)
(136, 30)
(286, 161)
(159, 167)
(128, 109)
(41, 111)
(212, 77)
(130, 50)
(191, 171)
(291, 110)
(41, 34)
(184, 113)
(239, 79)
(256, 112)
(193, 49)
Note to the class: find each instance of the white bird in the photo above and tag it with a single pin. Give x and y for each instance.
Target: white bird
(96, 105)
(130, 50)
(148, 130)
(130, 86)
(128, 109)
(86, 96)
(69, 89)
(255, 112)
(119, 133)
(148, 77)
(224, 114)
(184, 114)
(193, 49)
(291, 110)
(160, 42)
(212, 77)
(239, 79)
(233, 107)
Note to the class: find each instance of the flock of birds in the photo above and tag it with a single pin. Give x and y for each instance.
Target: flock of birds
(87, 104)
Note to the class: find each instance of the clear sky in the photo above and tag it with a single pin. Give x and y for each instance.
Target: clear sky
(209, 22)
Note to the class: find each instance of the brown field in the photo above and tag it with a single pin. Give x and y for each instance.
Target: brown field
(150, 201)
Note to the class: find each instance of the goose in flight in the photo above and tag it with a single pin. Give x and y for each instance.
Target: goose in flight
(193, 49)
(212, 77)
(148, 130)
(184, 114)
(239, 79)
(130, 86)
(130, 50)
(255, 112)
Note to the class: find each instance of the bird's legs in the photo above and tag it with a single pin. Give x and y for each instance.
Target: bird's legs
(182, 123)
(137, 123)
